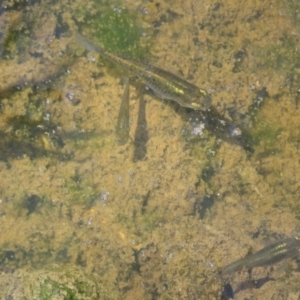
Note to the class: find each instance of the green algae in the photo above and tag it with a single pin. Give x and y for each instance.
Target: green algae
(151, 221)
(15, 43)
(265, 133)
(280, 57)
(79, 190)
(116, 29)
(294, 11)
(51, 288)
(68, 283)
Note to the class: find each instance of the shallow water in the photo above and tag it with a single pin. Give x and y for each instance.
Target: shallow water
(155, 218)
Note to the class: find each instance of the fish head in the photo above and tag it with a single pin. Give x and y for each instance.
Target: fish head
(197, 99)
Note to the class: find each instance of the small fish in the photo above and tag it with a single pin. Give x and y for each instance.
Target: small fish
(164, 84)
(287, 248)
(122, 128)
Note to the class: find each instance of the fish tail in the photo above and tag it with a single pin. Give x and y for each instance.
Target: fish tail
(86, 44)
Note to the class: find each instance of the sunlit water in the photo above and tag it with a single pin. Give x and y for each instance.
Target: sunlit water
(85, 217)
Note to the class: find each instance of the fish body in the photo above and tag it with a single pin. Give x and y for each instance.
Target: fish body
(164, 84)
(287, 248)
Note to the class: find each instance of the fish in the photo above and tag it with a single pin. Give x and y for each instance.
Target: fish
(271, 254)
(287, 248)
(122, 127)
(164, 84)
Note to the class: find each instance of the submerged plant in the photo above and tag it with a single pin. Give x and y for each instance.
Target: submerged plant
(115, 28)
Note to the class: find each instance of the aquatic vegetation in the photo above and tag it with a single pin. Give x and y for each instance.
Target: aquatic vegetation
(11, 41)
(281, 57)
(79, 189)
(294, 11)
(265, 133)
(68, 283)
(30, 132)
(50, 288)
(152, 220)
(115, 28)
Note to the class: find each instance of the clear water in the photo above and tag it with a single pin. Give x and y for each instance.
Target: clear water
(82, 216)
